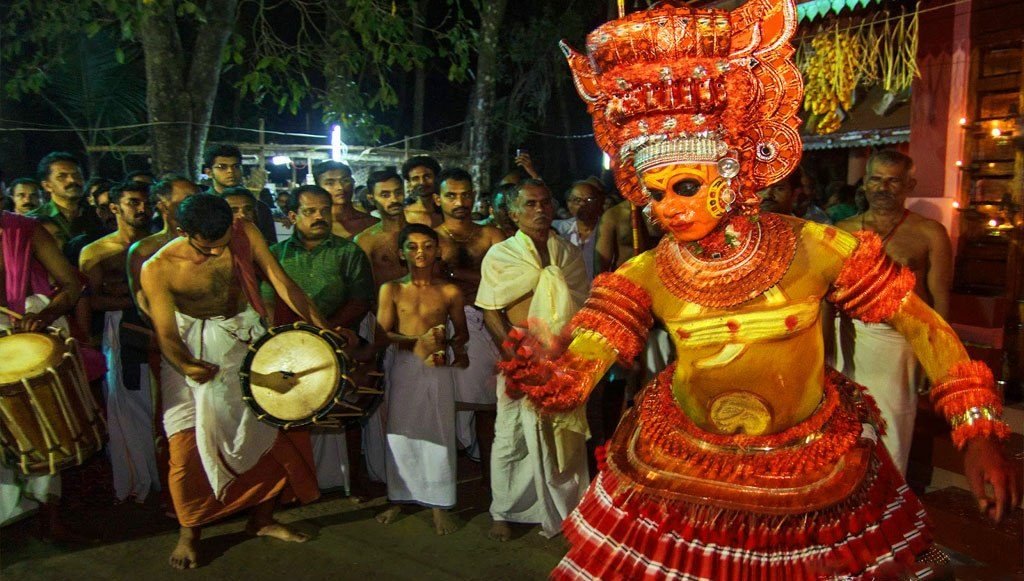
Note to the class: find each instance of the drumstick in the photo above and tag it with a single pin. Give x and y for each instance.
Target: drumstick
(138, 329)
(11, 314)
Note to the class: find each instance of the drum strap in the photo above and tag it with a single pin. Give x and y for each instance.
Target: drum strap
(245, 272)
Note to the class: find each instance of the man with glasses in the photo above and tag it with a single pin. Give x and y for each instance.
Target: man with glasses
(127, 384)
(876, 355)
(223, 164)
(336, 178)
(204, 301)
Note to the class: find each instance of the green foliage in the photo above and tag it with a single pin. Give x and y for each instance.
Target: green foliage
(340, 56)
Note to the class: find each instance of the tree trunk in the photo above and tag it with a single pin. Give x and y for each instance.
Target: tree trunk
(419, 95)
(491, 16)
(180, 93)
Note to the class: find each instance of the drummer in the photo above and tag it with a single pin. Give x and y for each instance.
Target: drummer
(414, 311)
(336, 275)
(128, 399)
(41, 286)
(205, 306)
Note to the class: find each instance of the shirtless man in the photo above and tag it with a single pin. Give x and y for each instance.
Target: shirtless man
(875, 355)
(129, 402)
(420, 173)
(336, 178)
(614, 244)
(204, 301)
(380, 241)
(169, 192)
(463, 246)
(414, 311)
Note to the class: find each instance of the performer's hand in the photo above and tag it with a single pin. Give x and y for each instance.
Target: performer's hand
(985, 463)
(348, 338)
(32, 322)
(199, 371)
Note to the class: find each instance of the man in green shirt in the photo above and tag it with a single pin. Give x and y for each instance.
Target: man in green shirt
(336, 275)
(67, 214)
(334, 272)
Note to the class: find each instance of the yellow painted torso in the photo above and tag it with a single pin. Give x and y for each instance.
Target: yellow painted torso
(757, 367)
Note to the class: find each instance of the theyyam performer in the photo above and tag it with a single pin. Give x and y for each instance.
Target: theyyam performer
(747, 458)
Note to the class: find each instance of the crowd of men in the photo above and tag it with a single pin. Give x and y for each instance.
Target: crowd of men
(174, 282)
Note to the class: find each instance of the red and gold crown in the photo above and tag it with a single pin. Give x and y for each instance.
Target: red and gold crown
(676, 84)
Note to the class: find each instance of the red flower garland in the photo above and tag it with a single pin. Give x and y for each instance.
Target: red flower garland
(870, 286)
(554, 379)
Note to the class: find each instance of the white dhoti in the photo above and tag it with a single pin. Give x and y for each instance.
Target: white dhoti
(20, 494)
(526, 483)
(373, 441)
(880, 359)
(420, 440)
(330, 455)
(129, 421)
(538, 466)
(229, 437)
(475, 385)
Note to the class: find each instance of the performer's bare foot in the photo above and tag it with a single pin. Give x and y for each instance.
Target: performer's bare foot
(185, 554)
(389, 515)
(278, 531)
(443, 523)
(500, 531)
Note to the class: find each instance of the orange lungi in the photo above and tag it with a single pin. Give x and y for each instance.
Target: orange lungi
(286, 469)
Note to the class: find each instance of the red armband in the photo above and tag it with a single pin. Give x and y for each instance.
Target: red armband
(870, 286)
(619, 310)
(552, 377)
(968, 400)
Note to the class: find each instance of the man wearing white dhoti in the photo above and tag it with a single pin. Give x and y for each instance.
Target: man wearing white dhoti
(205, 305)
(414, 311)
(875, 355)
(463, 247)
(129, 401)
(534, 279)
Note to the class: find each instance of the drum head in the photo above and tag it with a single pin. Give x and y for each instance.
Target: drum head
(26, 355)
(294, 374)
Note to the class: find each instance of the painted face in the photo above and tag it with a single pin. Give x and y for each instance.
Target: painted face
(686, 199)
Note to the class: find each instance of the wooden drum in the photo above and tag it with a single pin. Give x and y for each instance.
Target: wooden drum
(50, 418)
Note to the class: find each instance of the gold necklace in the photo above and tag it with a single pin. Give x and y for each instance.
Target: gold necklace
(472, 236)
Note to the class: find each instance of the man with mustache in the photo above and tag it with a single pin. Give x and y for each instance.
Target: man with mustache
(420, 173)
(24, 192)
(538, 466)
(129, 402)
(336, 275)
(875, 355)
(67, 214)
(463, 247)
(223, 164)
(336, 178)
(380, 241)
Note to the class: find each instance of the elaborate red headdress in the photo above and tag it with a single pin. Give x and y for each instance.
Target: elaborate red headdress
(679, 84)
